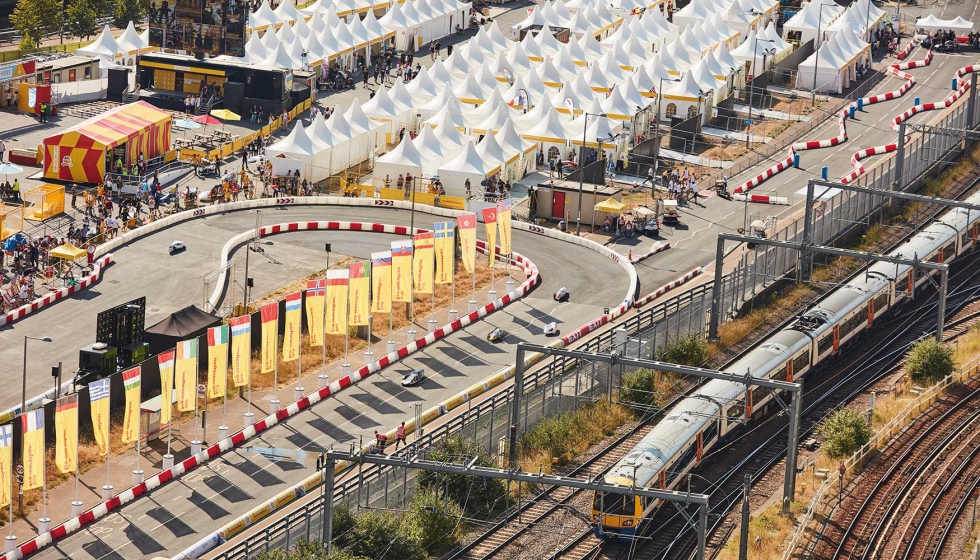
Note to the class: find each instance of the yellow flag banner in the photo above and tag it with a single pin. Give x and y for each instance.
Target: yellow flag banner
(315, 296)
(241, 349)
(186, 378)
(503, 225)
(490, 221)
(131, 415)
(294, 327)
(360, 293)
(166, 362)
(6, 463)
(32, 444)
(381, 282)
(337, 281)
(66, 433)
(98, 394)
(401, 269)
(423, 262)
(270, 331)
(217, 361)
(467, 241)
(445, 251)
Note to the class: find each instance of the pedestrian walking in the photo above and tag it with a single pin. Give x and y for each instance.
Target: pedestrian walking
(400, 436)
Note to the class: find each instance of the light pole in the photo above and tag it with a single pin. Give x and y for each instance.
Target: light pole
(248, 248)
(755, 50)
(581, 158)
(23, 393)
(816, 48)
(840, 496)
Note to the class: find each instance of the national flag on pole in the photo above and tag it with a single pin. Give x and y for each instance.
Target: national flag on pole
(294, 327)
(66, 433)
(423, 262)
(467, 240)
(360, 293)
(186, 375)
(381, 282)
(316, 291)
(503, 225)
(98, 394)
(337, 284)
(217, 361)
(241, 349)
(445, 251)
(131, 414)
(490, 221)
(401, 269)
(166, 362)
(32, 444)
(6, 463)
(270, 330)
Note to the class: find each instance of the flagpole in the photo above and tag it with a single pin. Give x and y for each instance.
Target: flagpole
(274, 403)
(76, 506)
(224, 396)
(368, 354)
(324, 378)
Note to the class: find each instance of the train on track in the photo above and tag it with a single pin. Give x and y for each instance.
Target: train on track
(697, 424)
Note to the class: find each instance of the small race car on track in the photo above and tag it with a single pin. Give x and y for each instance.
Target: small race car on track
(551, 329)
(562, 295)
(496, 335)
(413, 378)
(177, 246)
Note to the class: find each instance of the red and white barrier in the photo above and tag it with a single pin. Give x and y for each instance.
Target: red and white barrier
(668, 287)
(264, 424)
(896, 70)
(761, 199)
(56, 295)
(658, 247)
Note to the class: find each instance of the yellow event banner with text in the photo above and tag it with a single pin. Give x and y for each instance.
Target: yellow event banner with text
(270, 332)
(381, 282)
(445, 251)
(490, 221)
(131, 414)
(360, 293)
(66, 434)
(32, 444)
(467, 241)
(315, 292)
(337, 281)
(166, 362)
(294, 326)
(98, 394)
(186, 379)
(217, 361)
(401, 268)
(423, 262)
(6, 463)
(241, 349)
(503, 225)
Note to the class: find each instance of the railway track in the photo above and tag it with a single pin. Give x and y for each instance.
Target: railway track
(907, 511)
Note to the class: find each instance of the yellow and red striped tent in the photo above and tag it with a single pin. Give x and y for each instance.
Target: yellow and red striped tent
(78, 154)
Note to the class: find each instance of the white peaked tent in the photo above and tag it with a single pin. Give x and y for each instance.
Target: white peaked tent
(452, 113)
(359, 146)
(616, 107)
(694, 13)
(375, 31)
(400, 97)
(680, 97)
(599, 127)
(501, 69)
(301, 28)
(384, 110)
(431, 150)
(755, 51)
(813, 16)
(445, 100)
(263, 18)
(493, 155)
(590, 46)
(548, 74)
(457, 64)
(270, 41)
(130, 43)
(477, 115)
(496, 120)
(422, 87)
(931, 23)
(522, 152)
(468, 165)
(286, 13)
(537, 113)
(402, 160)
(676, 58)
(405, 28)
(598, 79)
(104, 45)
(299, 147)
(518, 61)
(468, 90)
(446, 132)
(834, 65)
(361, 123)
(549, 133)
(498, 39)
(782, 47)
(527, 88)
(324, 142)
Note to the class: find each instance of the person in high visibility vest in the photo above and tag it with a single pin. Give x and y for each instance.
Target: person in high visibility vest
(400, 436)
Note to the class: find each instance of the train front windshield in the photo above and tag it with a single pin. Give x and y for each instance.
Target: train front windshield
(614, 504)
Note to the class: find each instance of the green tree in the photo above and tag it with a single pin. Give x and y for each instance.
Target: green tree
(125, 11)
(33, 19)
(435, 523)
(844, 432)
(639, 387)
(343, 525)
(383, 535)
(481, 498)
(929, 361)
(80, 18)
(690, 350)
(306, 550)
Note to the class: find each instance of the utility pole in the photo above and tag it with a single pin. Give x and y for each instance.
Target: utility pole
(743, 540)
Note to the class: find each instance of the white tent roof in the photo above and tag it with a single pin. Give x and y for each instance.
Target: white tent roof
(395, 19)
(301, 28)
(285, 34)
(579, 24)
(412, 14)
(616, 105)
(597, 78)
(314, 8)
(263, 17)
(422, 87)
(518, 60)
(320, 135)
(498, 38)
(444, 98)
(482, 41)
(549, 45)
(491, 151)
(403, 154)
(446, 131)
(807, 17)
(358, 119)
(381, 106)
(130, 40)
(931, 22)
(675, 57)
(255, 49)
(495, 120)
(358, 32)
(429, 146)
(286, 12)
(686, 89)
(439, 73)
(468, 161)
(510, 140)
(590, 46)
(373, 26)
(103, 45)
(599, 127)
(270, 41)
(280, 58)
(771, 34)
(344, 37)
(341, 127)
(452, 112)
(297, 143)
(457, 63)
(400, 96)
(487, 108)
(469, 90)
(533, 86)
(548, 129)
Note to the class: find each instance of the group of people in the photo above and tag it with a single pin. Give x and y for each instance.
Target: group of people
(680, 185)
(10, 191)
(381, 439)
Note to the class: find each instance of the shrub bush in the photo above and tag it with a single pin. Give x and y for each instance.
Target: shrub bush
(690, 350)
(436, 524)
(929, 361)
(306, 550)
(480, 498)
(844, 432)
(383, 535)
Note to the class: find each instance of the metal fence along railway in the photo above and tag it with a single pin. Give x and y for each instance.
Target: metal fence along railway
(559, 385)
